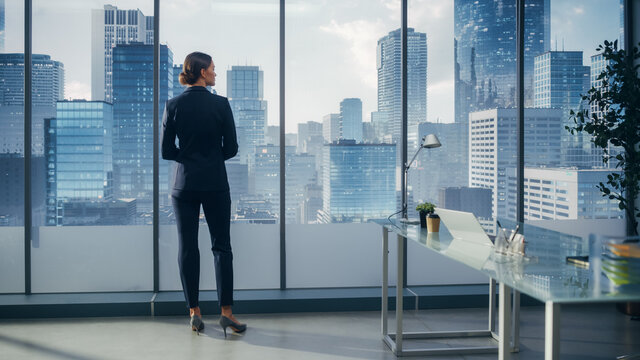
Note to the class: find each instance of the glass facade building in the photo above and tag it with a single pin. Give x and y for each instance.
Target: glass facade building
(389, 65)
(485, 52)
(133, 120)
(245, 90)
(560, 79)
(78, 145)
(359, 181)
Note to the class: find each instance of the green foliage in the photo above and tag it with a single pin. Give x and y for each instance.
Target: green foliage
(618, 102)
(426, 207)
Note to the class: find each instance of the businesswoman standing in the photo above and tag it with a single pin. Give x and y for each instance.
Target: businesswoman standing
(206, 133)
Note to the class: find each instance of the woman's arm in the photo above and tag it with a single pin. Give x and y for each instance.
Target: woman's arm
(169, 149)
(229, 138)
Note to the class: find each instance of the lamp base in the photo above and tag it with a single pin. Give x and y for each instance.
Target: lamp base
(410, 221)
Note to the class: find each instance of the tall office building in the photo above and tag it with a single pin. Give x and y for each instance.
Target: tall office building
(351, 119)
(562, 194)
(560, 80)
(389, 65)
(485, 52)
(79, 155)
(492, 147)
(359, 181)
(311, 204)
(245, 92)
(264, 174)
(111, 27)
(47, 88)
(133, 120)
(331, 130)
(473, 200)
(598, 65)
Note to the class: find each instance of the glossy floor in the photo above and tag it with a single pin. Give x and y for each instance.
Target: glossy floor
(587, 332)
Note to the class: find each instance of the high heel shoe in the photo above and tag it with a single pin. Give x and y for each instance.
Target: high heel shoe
(196, 323)
(227, 322)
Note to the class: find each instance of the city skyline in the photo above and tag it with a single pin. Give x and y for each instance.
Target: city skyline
(347, 31)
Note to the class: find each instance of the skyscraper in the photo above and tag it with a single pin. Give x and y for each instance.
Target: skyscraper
(47, 88)
(359, 181)
(351, 119)
(485, 52)
(111, 27)
(177, 87)
(560, 80)
(133, 119)
(305, 132)
(79, 155)
(389, 65)
(245, 92)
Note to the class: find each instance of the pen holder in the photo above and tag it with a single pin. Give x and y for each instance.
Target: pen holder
(509, 242)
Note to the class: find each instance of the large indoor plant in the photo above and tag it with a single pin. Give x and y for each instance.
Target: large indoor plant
(616, 122)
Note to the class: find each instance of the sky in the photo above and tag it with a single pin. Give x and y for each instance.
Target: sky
(330, 44)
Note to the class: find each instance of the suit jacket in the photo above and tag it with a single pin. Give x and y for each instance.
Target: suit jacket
(206, 134)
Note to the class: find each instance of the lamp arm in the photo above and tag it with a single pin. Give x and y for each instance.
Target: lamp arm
(412, 160)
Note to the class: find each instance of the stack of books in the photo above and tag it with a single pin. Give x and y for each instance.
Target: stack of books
(621, 263)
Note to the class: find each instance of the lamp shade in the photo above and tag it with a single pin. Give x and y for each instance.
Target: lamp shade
(431, 141)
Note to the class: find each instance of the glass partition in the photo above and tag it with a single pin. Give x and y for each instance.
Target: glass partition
(242, 38)
(92, 132)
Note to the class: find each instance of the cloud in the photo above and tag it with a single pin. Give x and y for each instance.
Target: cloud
(579, 10)
(77, 90)
(362, 36)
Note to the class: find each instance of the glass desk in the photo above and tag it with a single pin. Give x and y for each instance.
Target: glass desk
(542, 274)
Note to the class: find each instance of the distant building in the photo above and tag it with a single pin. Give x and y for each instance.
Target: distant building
(389, 65)
(111, 27)
(47, 88)
(331, 130)
(305, 131)
(78, 145)
(133, 122)
(311, 204)
(492, 147)
(562, 194)
(560, 81)
(359, 181)
(351, 119)
(245, 92)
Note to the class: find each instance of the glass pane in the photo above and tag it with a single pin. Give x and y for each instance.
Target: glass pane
(561, 183)
(93, 143)
(342, 125)
(247, 73)
(12, 146)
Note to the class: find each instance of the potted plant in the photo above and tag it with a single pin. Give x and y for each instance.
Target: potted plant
(616, 122)
(428, 218)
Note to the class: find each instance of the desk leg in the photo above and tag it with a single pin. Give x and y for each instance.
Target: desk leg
(552, 331)
(504, 346)
(385, 279)
(516, 321)
(492, 305)
(399, 295)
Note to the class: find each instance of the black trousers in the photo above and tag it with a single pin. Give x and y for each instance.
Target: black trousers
(217, 211)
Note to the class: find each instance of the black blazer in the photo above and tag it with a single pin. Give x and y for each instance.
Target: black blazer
(206, 134)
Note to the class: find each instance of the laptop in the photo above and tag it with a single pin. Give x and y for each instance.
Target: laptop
(464, 225)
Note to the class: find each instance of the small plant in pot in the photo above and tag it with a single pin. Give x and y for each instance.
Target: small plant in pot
(428, 219)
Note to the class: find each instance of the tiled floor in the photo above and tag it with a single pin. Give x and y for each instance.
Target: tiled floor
(588, 332)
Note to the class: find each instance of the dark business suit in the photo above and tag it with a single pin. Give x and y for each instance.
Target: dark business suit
(206, 133)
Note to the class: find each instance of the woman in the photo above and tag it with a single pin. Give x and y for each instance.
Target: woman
(206, 133)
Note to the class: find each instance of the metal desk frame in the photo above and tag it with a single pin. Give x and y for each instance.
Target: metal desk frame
(395, 341)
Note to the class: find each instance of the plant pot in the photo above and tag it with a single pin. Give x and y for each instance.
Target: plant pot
(433, 223)
(423, 219)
